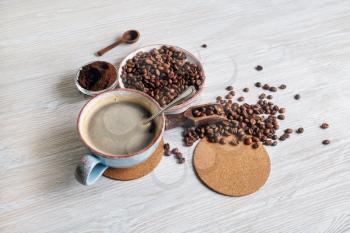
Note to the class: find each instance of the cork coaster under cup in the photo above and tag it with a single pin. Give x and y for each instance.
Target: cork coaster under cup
(231, 170)
(139, 170)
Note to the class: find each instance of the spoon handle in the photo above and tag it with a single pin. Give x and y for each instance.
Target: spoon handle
(109, 47)
(189, 92)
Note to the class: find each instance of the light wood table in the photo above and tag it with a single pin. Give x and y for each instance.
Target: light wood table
(304, 44)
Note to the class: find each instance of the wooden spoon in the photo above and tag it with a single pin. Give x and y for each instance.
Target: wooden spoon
(128, 37)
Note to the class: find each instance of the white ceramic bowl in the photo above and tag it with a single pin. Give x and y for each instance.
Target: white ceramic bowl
(94, 93)
(190, 57)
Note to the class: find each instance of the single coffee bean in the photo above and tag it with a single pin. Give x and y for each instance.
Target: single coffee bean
(166, 146)
(281, 117)
(269, 97)
(266, 86)
(289, 131)
(229, 88)
(300, 130)
(262, 96)
(240, 99)
(204, 45)
(326, 142)
(282, 86)
(273, 89)
(167, 152)
(255, 145)
(274, 143)
(258, 84)
(324, 126)
(178, 155)
(232, 93)
(258, 67)
(246, 89)
(282, 110)
(181, 160)
(228, 96)
(222, 141)
(297, 97)
(175, 151)
(247, 141)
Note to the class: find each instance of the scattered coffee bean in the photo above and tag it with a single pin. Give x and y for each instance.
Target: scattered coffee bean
(232, 93)
(262, 96)
(246, 89)
(166, 146)
(273, 89)
(178, 155)
(228, 96)
(282, 86)
(240, 99)
(324, 126)
(167, 152)
(222, 141)
(258, 67)
(266, 87)
(258, 84)
(255, 145)
(274, 143)
(181, 160)
(204, 45)
(175, 151)
(229, 88)
(289, 131)
(281, 117)
(300, 130)
(269, 97)
(161, 73)
(326, 142)
(282, 110)
(297, 97)
(282, 138)
(247, 141)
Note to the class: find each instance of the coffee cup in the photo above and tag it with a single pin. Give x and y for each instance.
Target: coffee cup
(109, 132)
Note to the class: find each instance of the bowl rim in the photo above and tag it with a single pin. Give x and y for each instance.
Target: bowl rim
(153, 46)
(95, 93)
(112, 156)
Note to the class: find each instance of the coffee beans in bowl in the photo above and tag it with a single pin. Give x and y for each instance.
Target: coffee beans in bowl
(96, 77)
(162, 72)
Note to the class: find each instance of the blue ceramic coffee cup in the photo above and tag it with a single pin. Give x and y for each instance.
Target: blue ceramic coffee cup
(93, 164)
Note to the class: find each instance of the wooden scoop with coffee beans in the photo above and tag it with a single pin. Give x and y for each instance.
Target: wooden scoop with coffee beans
(196, 116)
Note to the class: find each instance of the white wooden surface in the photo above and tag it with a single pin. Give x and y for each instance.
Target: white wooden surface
(304, 44)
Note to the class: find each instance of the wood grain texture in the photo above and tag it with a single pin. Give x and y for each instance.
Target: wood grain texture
(304, 44)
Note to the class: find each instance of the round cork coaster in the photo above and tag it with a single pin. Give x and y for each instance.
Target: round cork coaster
(231, 170)
(139, 170)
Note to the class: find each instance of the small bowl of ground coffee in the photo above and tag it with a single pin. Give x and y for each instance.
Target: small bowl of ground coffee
(96, 77)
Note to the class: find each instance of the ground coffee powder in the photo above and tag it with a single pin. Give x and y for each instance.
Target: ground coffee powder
(97, 76)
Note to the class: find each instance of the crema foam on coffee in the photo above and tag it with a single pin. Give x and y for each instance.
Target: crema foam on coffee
(115, 128)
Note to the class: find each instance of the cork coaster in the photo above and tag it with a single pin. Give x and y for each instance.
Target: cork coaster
(231, 170)
(139, 170)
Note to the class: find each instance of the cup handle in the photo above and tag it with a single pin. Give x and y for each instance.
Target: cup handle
(89, 169)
